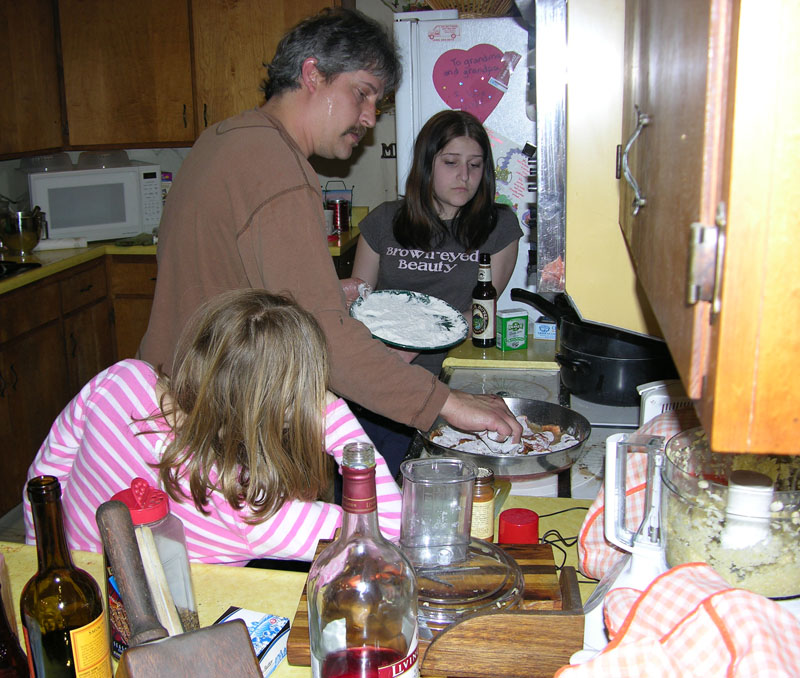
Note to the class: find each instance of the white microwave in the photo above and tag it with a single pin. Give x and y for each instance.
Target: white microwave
(99, 204)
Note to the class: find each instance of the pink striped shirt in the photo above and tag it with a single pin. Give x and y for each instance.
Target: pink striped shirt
(94, 452)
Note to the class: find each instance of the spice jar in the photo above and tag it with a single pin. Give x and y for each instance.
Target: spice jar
(162, 545)
(483, 505)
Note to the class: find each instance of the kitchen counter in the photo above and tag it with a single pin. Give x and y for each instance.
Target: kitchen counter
(55, 261)
(539, 354)
(275, 591)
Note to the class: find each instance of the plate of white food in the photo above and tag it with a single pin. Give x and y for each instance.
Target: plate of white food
(410, 320)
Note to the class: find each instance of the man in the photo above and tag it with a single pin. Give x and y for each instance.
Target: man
(246, 211)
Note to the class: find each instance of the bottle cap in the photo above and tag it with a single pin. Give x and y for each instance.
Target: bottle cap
(518, 526)
(146, 504)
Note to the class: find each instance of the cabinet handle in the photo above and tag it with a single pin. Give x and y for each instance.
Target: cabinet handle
(74, 344)
(15, 378)
(2, 386)
(184, 117)
(642, 120)
(205, 115)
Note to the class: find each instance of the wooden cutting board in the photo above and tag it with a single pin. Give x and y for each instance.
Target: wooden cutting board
(548, 606)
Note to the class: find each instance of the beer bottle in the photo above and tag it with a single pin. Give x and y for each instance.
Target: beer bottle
(484, 305)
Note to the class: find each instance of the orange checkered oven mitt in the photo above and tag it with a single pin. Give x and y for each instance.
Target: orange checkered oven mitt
(689, 622)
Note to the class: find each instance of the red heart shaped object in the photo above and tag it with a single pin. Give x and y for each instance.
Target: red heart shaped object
(461, 78)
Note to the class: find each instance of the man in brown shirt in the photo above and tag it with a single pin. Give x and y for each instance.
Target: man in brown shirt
(245, 210)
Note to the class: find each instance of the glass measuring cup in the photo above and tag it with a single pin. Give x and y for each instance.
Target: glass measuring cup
(437, 510)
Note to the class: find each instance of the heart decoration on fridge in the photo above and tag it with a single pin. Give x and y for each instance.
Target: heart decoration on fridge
(473, 80)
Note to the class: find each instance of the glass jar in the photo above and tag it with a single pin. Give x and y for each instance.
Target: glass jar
(483, 505)
(162, 545)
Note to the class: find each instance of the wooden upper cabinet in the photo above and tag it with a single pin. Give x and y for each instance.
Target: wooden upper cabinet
(232, 41)
(30, 116)
(127, 71)
(718, 149)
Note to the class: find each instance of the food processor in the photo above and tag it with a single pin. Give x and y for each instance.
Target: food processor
(739, 513)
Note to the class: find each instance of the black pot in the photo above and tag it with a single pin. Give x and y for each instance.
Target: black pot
(608, 380)
(599, 363)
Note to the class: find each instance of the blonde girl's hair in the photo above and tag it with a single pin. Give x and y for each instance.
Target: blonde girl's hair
(247, 400)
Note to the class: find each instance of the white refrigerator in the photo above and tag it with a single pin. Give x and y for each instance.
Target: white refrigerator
(481, 66)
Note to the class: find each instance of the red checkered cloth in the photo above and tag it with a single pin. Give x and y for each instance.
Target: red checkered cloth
(689, 622)
(596, 555)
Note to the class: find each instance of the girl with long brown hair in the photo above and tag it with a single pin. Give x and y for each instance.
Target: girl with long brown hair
(237, 436)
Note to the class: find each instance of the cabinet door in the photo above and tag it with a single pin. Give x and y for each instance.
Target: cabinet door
(133, 284)
(720, 148)
(127, 71)
(232, 41)
(89, 343)
(675, 160)
(30, 117)
(34, 389)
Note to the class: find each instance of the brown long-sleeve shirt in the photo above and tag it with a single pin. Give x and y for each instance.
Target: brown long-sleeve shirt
(245, 210)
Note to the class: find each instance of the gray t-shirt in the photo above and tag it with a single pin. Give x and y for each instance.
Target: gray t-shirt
(448, 272)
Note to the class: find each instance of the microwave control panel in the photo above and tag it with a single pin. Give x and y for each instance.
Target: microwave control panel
(151, 198)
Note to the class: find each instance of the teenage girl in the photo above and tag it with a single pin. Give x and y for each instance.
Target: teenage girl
(429, 240)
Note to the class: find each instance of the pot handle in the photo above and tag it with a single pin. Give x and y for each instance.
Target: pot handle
(575, 364)
(544, 306)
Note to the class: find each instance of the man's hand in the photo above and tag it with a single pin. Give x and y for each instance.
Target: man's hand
(354, 288)
(481, 413)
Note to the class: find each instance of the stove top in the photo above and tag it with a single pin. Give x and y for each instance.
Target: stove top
(9, 268)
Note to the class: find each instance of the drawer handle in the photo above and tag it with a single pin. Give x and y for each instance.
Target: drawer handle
(87, 288)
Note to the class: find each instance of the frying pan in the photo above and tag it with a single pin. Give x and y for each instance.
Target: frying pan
(599, 363)
(529, 466)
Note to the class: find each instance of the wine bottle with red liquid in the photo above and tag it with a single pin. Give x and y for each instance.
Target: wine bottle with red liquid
(362, 591)
(13, 662)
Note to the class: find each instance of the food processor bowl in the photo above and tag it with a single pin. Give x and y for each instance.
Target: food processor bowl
(740, 513)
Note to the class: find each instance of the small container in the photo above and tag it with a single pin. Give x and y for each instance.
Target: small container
(518, 526)
(162, 544)
(483, 505)
(544, 328)
(512, 329)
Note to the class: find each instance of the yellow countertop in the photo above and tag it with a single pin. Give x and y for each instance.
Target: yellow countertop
(278, 592)
(539, 354)
(55, 261)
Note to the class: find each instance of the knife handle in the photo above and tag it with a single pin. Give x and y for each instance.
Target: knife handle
(119, 541)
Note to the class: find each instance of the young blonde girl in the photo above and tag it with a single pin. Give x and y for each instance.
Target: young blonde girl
(236, 436)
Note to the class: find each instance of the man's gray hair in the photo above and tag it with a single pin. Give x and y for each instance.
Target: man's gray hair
(341, 40)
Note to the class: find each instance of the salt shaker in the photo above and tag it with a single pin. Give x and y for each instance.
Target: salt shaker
(162, 545)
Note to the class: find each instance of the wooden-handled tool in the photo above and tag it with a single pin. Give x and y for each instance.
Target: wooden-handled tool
(119, 541)
(223, 649)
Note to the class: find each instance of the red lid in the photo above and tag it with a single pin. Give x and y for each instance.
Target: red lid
(518, 526)
(146, 504)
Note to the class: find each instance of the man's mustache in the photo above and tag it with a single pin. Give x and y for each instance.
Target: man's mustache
(358, 131)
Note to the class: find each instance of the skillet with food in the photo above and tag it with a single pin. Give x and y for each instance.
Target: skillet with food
(540, 415)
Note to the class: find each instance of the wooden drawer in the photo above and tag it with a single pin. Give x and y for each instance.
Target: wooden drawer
(133, 275)
(28, 307)
(83, 287)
